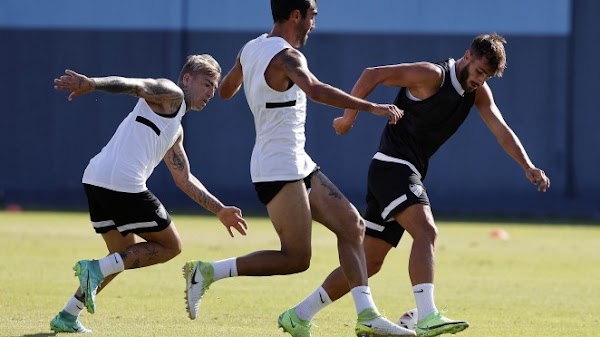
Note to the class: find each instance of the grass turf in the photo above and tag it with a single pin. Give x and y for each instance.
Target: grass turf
(541, 282)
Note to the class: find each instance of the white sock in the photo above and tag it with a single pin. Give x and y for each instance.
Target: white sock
(363, 299)
(225, 268)
(74, 306)
(313, 303)
(111, 264)
(424, 298)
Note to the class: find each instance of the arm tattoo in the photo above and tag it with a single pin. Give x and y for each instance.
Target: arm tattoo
(157, 89)
(292, 64)
(203, 197)
(177, 161)
(116, 85)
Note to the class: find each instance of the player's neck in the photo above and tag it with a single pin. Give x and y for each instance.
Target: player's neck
(283, 31)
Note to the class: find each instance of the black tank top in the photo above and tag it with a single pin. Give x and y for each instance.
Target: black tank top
(426, 124)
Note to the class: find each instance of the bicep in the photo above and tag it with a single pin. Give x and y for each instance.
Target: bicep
(159, 91)
(405, 74)
(295, 66)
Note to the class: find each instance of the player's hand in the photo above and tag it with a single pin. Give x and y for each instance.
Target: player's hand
(393, 112)
(75, 83)
(231, 217)
(342, 125)
(538, 177)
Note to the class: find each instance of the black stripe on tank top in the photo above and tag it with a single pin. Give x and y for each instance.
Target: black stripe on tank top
(275, 105)
(148, 123)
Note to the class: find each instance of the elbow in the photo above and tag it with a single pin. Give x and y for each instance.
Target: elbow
(368, 74)
(224, 93)
(181, 182)
(317, 93)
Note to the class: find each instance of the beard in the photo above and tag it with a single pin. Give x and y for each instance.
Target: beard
(463, 76)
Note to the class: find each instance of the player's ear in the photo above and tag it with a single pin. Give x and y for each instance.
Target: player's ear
(467, 55)
(296, 16)
(185, 80)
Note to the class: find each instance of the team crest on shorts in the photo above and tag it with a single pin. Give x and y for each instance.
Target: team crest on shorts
(161, 212)
(416, 189)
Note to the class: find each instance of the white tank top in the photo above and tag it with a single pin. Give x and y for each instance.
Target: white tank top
(279, 117)
(137, 147)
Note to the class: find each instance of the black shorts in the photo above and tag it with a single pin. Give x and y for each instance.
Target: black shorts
(392, 187)
(268, 190)
(126, 212)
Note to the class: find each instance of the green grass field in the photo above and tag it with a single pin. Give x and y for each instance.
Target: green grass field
(543, 281)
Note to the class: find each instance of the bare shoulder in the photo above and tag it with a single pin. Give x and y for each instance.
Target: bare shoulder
(168, 85)
(428, 70)
(483, 94)
(424, 75)
(289, 58)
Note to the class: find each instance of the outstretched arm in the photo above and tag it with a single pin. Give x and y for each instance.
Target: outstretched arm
(422, 76)
(178, 164)
(507, 138)
(232, 82)
(295, 67)
(162, 95)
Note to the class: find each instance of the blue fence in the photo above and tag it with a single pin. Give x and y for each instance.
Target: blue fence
(546, 95)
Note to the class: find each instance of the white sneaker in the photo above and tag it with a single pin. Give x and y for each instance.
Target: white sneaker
(196, 285)
(371, 324)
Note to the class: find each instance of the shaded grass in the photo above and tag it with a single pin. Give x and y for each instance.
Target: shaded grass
(541, 282)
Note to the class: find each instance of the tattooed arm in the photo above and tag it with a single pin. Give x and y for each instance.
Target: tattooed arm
(290, 65)
(179, 166)
(163, 96)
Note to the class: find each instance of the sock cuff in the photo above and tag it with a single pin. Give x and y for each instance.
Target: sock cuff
(423, 286)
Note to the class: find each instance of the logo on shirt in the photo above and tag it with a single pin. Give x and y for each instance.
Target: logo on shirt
(416, 189)
(161, 212)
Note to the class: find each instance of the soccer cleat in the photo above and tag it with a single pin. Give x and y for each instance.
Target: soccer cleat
(372, 324)
(65, 322)
(435, 324)
(196, 285)
(292, 324)
(90, 278)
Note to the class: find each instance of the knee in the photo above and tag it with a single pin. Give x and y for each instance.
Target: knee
(299, 263)
(428, 232)
(374, 266)
(352, 228)
(172, 250)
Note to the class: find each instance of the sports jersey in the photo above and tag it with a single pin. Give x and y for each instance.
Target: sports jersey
(428, 123)
(279, 117)
(137, 147)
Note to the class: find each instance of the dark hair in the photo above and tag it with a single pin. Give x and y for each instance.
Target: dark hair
(281, 9)
(490, 46)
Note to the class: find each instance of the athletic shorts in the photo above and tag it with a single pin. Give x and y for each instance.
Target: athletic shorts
(268, 190)
(126, 212)
(392, 187)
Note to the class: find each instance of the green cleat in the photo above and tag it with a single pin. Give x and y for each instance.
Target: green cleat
(90, 278)
(65, 322)
(435, 324)
(195, 286)
(292, 324)
(371, 324)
